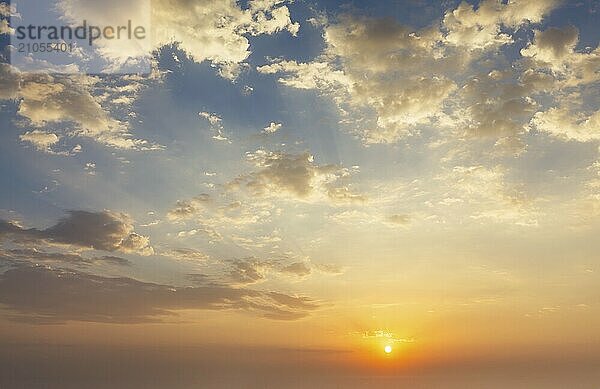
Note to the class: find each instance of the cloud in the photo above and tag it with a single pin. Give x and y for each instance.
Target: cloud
(40, 140)
(488, 194)
(248, 271)
(376, 66)
(38, 294)
(570, 80)
(296, 175)
(105, 230)
(9, 82)
(6, 9)
(390, 80)
(272, 128)
(232, 213)
(111, 259)
(5, 28)
(496, 104)
(36, 256)
(398, 219)
(299, 269)
(258, 241)
(566, 124)
(220, 28)
(185, 209)
(328, 268)
(117, 52)
(216, 123)
(480, 28)
(45, 100)
(552, 45)
(370, 217)
(384, 334)
(219, 32)
(219, 215)
(186, 255)
(553, 51)
(254, 270)
(312, 75)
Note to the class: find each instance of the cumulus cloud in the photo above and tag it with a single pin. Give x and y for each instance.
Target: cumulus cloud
(554, 50)
(390, 80)
(108, 231)
(480, 27)
(552, 45)
(570, 78)
(46, 99)
(96, 298)
(312, 75)
(295, 175)
(272, 128)
(496, 104)
(365, 66)
(220, 28)
(41, 140)
(564, 123)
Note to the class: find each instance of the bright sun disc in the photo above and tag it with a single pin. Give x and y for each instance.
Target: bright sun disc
(387, 349)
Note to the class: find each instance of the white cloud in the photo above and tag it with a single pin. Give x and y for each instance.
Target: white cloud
(40, 140)
(272, 128)
(219, 28)
(216, 123)
(479, 28)
(564, 123)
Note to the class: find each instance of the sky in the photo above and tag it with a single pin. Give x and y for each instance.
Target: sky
(291, 186)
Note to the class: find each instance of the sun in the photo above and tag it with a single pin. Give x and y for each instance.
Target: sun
(387, 349)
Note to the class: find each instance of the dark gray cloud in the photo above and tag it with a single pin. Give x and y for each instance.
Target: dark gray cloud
(45, 295)
(104, 230)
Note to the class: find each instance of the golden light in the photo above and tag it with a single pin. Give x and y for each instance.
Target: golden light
(387, 349)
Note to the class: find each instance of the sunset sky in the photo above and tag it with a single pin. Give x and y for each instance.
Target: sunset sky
(293, 186)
